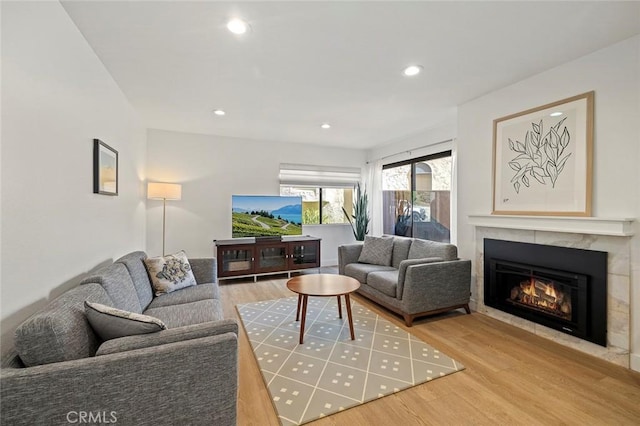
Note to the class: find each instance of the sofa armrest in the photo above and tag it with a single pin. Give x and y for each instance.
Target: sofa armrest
(191, 382)
(205, 269)
(171, 335)
(436, 285)
(402, 270)
(348, 253)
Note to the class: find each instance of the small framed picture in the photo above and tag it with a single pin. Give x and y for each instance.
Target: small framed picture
(105, 169)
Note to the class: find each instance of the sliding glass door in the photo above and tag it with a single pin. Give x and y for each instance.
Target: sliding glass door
(416, 197)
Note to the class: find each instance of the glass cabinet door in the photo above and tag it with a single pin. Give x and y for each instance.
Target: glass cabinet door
(271, 257)
(236, 260)
(304, 255)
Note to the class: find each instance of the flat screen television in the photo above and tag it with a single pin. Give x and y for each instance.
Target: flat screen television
(265, 215)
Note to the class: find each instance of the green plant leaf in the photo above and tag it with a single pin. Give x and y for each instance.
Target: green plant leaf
(360, 219)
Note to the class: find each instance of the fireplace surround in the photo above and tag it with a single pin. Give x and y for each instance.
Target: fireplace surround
(559, 287)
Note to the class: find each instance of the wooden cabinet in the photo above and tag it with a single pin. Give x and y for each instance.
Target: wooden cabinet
(248, 257)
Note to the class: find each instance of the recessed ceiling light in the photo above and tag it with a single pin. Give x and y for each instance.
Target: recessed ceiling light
(326, 126)
(219, 112)
(555, 114)
(237, 26)
(412, 70)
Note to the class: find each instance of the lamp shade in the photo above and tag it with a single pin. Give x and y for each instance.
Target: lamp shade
(164, 191)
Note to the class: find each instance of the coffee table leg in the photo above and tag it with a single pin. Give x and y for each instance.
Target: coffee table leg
(298, 310)
(304, 316)
(348, 302)
(339, 308)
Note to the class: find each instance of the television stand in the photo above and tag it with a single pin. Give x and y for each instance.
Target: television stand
(254, 257)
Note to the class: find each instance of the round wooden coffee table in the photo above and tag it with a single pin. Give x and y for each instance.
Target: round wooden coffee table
(323, 285)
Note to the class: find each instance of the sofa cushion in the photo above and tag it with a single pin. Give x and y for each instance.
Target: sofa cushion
(111, 323)
(384, 281)
(204, 269)
(377, 251)
(425, 248)
(359, 271)
(188, 313)
(60, 331)
(116, 281)
(170, 273)
(186, 295)
(134, 262)
(401, 246)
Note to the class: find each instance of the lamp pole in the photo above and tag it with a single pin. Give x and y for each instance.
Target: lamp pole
(164, 215)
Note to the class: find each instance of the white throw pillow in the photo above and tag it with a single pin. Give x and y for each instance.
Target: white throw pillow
(170, 273)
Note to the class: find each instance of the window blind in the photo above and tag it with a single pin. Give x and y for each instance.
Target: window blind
(318, 176)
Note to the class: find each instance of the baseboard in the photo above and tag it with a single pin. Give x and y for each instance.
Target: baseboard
(329, 262)
(634, 362)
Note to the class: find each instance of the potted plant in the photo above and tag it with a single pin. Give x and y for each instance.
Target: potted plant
(360, 219)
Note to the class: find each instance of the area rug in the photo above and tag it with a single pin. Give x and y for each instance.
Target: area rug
(329, 372)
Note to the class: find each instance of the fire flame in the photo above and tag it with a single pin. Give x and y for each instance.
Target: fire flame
(543, 295)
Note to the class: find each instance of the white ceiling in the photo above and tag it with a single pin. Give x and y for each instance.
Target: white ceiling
(305, 63)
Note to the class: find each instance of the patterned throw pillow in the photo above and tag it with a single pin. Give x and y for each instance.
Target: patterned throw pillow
(111, 323)
(170, 273)
(377, 251)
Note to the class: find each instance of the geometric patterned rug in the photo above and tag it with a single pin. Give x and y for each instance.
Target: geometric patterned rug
(330, 372)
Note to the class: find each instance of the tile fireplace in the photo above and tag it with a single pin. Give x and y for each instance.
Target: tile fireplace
(559, 287)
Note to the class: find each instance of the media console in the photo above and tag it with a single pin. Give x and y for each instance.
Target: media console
(253, 257)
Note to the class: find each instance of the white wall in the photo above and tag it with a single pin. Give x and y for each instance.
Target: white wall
(614, 74)
(211, 169)
(430, 141)
(56, 97)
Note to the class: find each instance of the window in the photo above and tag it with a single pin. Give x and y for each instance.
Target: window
(416, 197)
(322, 205)
(325, 191)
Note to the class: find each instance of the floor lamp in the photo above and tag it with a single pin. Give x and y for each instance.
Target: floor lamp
(164, 192)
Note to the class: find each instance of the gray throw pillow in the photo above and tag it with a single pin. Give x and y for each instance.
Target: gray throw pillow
(111, 323)
(377, 251)
(426, 248)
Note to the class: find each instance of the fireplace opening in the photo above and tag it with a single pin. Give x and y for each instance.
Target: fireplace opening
(564, 289)
(538, 293)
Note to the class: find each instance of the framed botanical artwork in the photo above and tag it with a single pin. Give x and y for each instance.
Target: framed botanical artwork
(105, 169)
(543, 158)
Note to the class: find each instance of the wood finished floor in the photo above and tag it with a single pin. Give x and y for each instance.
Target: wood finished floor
(512, 377)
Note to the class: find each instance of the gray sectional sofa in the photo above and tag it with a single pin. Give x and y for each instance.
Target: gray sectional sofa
(411, 277)
(61, 372)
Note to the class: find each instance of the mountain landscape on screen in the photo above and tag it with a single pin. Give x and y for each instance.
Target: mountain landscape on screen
(265, 215)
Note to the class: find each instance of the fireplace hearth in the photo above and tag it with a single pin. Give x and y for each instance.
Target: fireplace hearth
(558, 287)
